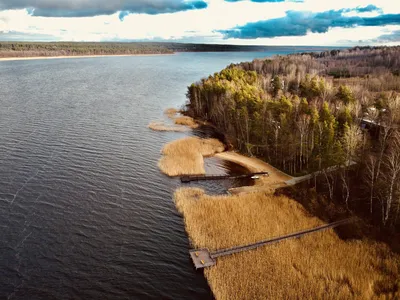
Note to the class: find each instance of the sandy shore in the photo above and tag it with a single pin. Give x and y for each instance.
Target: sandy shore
(269, 183)
(74, 56)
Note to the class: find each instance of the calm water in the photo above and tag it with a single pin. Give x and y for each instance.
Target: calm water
(84, 210)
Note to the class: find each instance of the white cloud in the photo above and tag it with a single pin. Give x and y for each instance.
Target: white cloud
(193, 25)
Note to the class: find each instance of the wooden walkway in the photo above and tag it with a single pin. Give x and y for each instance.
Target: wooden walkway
(189, 178)
(202, 258)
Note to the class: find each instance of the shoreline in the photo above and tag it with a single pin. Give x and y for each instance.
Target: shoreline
(76, 56)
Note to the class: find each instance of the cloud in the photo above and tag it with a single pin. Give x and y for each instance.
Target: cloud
(299, 23)
(369, 8)
(393, 37)
(88, 8)
(23, 36)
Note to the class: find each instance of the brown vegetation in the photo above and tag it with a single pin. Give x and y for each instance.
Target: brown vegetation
(318, 266)
(160, 126)
(180, 120)
(185, 156)
(187, 121)
(171, 112)
(183, 122)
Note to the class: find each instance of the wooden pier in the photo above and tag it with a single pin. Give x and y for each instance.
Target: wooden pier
(202, 258)
(190, 178)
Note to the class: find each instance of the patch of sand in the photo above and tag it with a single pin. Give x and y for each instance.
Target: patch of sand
(267, 184)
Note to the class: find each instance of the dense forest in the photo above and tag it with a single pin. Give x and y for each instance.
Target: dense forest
(35, 49)
(317, 112)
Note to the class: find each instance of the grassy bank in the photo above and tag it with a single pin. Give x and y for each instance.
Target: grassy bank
(319, 266)
(185, 156)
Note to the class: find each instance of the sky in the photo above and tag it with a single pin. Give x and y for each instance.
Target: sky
(242, 22)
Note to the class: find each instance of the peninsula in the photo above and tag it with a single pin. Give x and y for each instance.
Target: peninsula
(334, 115)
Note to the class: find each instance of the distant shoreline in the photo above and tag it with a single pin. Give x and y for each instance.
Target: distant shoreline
(10, 51)
(75, 56)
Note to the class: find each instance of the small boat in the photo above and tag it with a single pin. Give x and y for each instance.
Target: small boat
(255, 177)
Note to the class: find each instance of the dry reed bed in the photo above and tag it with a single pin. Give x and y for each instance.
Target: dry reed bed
(183, 122)
(171, 112)
(180, 120)
(318, 266)
(187, 121)
(161, 126)
(185, 156)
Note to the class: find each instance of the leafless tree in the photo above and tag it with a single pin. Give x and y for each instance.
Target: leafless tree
(371, 177)
(345, 187)
(392, 175)
(302, 125)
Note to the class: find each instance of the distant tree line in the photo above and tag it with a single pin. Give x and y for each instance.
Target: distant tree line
(25, 49)
(309, 112)
(34, 49)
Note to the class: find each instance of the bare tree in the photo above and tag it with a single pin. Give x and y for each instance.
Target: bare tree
(345, 187)
(397, 202)
(384, 137)
(392, 164)
(330, 180)
(351, 140)
(302, 125)
(371, 177)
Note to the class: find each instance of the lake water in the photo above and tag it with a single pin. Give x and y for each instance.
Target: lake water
(84, 211)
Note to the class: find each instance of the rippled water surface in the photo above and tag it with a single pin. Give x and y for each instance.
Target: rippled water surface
(84, 210)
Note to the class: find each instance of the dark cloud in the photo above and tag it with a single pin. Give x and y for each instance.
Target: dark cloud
(369, 8)
(86, 8)
(298, 23)
(389, 38)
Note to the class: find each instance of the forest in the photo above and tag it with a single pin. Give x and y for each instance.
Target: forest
(35, 49)
(335, 112)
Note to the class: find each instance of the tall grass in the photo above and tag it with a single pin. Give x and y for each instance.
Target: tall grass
(318, 266)
(185, 156)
